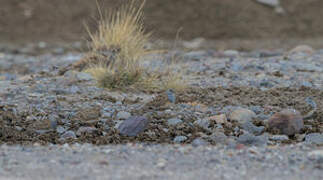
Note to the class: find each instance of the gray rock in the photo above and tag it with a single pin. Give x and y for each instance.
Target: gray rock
(60, 129)
(250, 139)
(203, 123)
(279, 138)
(85, 130)
(123, 115)
(251, 128)
(174, 121)
(180, 139)
(314, 138)
(68, 135)
(133, 126)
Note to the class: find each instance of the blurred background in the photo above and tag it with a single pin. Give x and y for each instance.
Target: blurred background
(63, 20)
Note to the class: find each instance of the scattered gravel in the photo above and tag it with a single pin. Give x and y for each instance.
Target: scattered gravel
(232, 118)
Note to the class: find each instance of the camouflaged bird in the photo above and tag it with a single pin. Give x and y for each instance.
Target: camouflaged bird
(104, 56)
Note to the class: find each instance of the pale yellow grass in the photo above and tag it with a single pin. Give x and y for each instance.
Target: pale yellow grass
(123, 31)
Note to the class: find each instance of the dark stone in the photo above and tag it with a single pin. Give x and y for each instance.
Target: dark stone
(133, 126)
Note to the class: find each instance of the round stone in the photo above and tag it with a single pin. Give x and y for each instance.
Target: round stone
(288, 122)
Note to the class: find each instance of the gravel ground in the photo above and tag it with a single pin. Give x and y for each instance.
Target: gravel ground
(160, 162)
(231, 122)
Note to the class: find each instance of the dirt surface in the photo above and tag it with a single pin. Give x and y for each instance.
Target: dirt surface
(41, 105)
(241, 72)
(272, 100)
(62, 20)
(138, 162)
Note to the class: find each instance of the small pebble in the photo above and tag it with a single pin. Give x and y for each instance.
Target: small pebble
(180, 139)
(60, 129)
(174, 121)
(279, 138)
(123, 115)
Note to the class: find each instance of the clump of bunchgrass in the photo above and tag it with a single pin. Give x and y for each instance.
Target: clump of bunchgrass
(121, 39)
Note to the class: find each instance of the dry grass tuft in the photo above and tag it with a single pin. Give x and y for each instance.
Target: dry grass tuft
(120, 44)
(122, 32)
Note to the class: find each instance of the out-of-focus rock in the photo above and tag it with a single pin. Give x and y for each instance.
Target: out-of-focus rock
(288, 122)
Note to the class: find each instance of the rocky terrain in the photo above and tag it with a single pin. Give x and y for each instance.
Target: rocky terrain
(243, 115)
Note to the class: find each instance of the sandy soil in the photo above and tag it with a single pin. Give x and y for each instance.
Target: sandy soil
(62, 20)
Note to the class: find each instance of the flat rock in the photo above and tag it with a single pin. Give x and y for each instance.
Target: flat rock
(133, 126)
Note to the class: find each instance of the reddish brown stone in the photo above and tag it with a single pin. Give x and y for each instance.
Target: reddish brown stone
(288, 122)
